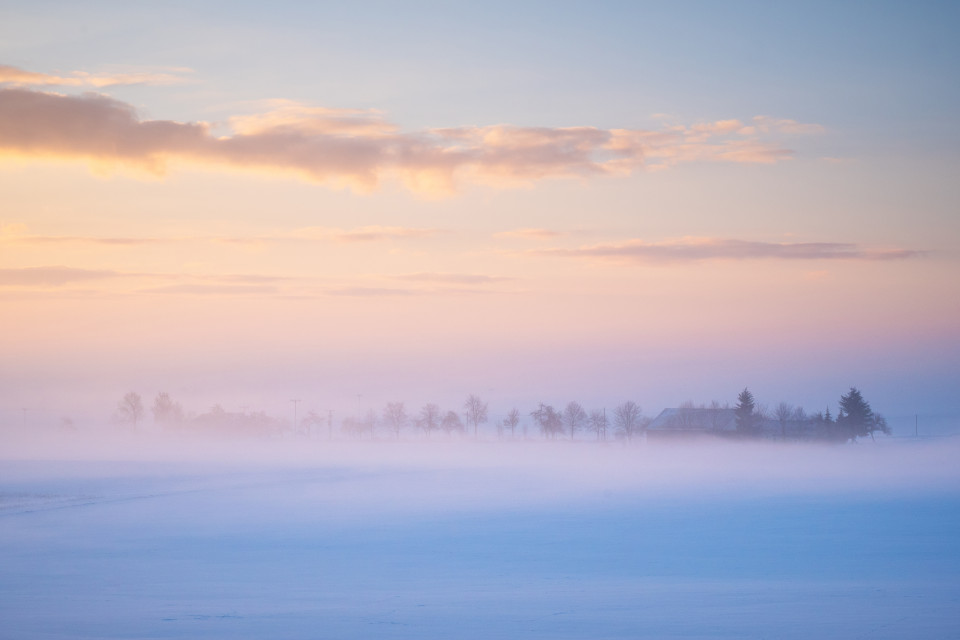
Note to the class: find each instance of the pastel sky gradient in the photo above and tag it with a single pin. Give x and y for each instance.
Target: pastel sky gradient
(245, 203)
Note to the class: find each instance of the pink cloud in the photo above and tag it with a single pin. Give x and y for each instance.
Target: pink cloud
(453, 278)
(17, 76)
(359, 148)
(528, 233)
(701, 249)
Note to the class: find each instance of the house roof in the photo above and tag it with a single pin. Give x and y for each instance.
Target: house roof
(691, 419)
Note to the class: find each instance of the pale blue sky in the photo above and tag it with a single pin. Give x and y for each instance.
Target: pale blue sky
(882, 73)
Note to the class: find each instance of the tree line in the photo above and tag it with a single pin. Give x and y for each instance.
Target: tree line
(855, 419)
(626, 421)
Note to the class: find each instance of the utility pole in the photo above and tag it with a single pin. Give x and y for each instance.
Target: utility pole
(916, 426)
(295, 401)
(330, 424)
(359, 409)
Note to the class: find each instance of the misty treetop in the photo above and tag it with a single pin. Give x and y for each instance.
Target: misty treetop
(747, 420)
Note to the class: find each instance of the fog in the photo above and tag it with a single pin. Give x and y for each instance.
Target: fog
(461, 473)
(141, 535)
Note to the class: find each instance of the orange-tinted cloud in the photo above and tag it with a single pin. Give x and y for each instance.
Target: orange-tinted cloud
(104, 240)
(453, 278)
(369, 233)
(528, 233)
(54, 276)
(16, 76)
(700, 249)
(212, 289)
(359, 148)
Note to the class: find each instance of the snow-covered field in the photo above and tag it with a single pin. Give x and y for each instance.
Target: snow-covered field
(479, 540)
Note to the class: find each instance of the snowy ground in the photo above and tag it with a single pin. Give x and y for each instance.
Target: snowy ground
(474, 540)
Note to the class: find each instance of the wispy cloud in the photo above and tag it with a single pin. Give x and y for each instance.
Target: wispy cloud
(21, 77)
(542, 234)
(389, 292)
(372, 292)
(55, 276)
(61, 280)
(370, 233)
(701, 249)
(453, 278)
(115, 241)
(47, 277)
(360, 148)
(212, 289)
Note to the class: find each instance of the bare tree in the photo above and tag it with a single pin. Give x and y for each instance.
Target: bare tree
(686, 415)
(598, 420)
(429, 418)
(511, 421)
(574, 417)
(716, 415)
(475, 410)
(395, 416)
(166, 411)
(783, 413)
(803, 422)
(549, 420)
(451, 422)
(628, 418)
(130, 409)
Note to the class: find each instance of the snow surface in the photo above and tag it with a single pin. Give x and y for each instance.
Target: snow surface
(479, 540)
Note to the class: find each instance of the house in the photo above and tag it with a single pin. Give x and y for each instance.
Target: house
(684, 423)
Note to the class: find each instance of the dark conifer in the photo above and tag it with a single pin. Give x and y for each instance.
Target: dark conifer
(746, 412)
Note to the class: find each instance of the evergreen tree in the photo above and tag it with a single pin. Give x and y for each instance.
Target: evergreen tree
(856, 418)
(746, 411)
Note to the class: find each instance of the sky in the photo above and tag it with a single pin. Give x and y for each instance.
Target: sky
(356, 203)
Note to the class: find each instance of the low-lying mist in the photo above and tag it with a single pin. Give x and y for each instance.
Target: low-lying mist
(463, 474)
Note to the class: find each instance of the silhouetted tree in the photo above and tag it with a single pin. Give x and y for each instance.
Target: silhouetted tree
(429, 418)
(475, 411)
(451, 423)
(716, 415)
(130, 409)
(598, 420)
(511, 421)
(166, 411)
(783, 413)
(879, 424)
(395, 416)
(574, 417)
(629, 419)
(686, 416)
(748, 421)
(856, 418)
(549, 420)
